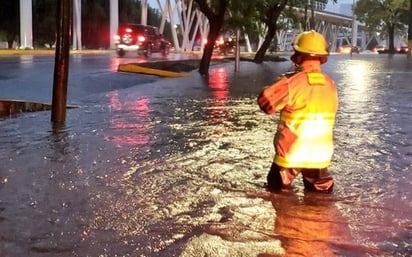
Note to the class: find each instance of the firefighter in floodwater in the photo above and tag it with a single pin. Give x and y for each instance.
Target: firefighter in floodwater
(307, 101)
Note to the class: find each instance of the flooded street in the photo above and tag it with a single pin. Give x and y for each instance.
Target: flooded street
(177, 167)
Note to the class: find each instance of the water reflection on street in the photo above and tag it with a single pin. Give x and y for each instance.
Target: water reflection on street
(219, 88)
(374, 152)
(178, 168)
(132, 129)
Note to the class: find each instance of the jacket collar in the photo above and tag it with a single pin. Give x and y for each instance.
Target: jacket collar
(310, 66)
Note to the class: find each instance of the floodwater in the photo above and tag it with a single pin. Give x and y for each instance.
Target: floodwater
(178, 167)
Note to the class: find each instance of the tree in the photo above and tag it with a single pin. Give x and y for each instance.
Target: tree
(385, 16)
(43, 21)
(271, 10)
(215, 11)
(273, 14)
(95, 23)
(9, 20)
(129, 12)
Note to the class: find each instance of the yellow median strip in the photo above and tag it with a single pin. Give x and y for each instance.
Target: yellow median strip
(150, 71)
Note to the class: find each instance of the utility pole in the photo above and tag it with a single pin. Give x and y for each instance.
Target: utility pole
(354, 26)
(305, 19)
(237, 53)
(312, 15)
(309, 4)
(61, 62)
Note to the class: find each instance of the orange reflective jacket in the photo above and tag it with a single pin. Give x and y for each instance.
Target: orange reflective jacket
(307, 101)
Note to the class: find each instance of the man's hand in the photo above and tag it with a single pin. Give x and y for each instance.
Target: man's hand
(275, 97)
(266, 102)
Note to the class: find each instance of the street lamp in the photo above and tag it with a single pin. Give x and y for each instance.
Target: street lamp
(312, 15)
(310, 4)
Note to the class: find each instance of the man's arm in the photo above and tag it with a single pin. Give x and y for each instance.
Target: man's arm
(274, 97)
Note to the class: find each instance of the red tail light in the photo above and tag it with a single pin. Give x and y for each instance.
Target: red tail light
(220, 41)
(141, 38)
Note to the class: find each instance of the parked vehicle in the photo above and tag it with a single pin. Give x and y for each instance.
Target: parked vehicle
(385, 50)
(403, 50)
(273, 48)
(225, 46)
(381, 49)
(348, 49)
(142, 39)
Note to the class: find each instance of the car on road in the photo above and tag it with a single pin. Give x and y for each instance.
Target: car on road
(225, 46)
(380, 49)
(348, 49)
(403, 49)
(385, 50)
(141, 39)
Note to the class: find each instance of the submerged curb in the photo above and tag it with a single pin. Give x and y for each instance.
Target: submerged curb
(12, 52)
(13, 106)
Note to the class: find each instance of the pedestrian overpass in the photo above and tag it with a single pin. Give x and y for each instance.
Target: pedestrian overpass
(188, 21)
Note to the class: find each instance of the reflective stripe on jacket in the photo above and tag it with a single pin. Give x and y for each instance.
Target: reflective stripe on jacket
(308, 102)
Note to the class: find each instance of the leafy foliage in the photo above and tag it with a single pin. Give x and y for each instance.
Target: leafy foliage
(384, 16)
(215, 11)
(9, 20)
(42, 32)
(377, 14)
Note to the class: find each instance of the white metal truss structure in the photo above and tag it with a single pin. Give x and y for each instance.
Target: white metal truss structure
(185, 21)
(188, 25)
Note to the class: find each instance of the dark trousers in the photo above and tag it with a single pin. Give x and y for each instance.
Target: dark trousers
(313, 179)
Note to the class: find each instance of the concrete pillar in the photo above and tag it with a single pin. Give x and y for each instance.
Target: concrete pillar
(26, 27)
(248, 46)
(77, 25)
(114, 20)
(143, 5)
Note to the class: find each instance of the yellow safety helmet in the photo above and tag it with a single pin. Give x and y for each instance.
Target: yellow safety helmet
(311, 43)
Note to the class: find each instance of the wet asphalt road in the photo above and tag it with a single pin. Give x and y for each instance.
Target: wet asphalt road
(150, 166)
(30, 77)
